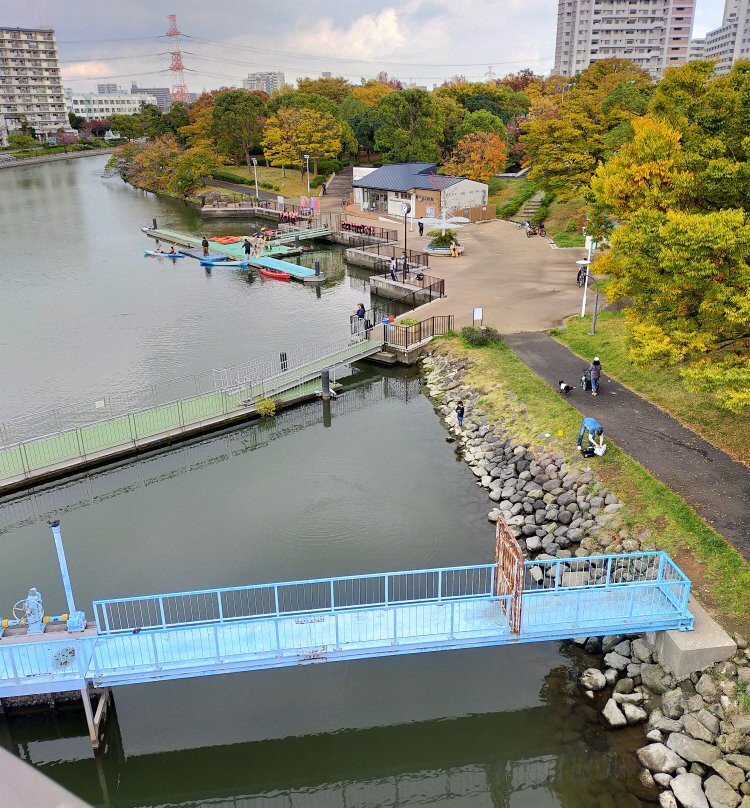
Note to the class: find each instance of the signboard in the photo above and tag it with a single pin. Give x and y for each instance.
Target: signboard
(477, 316)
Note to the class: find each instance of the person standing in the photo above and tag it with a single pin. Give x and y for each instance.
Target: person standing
(420, 225)
(394, 277)
(204, 244)
(323, 189)
(248, 247)
(596, 434)
(460, 414)
(595, 369)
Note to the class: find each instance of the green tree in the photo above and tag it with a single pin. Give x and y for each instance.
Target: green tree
(411, 130)
(296, 99)
(452, 115)
(151, 117)
(365, 125)
(150, 167)
(238, 122)
(175, 118)
(20, 140)
(481, 121)
(128, 126)
(75, 121)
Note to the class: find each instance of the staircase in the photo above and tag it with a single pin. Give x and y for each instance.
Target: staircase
(341, 184)
(529, 207)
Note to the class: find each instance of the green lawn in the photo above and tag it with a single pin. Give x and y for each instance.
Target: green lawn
(569, 239)
(662, 386)
(721, 577)
(290, 186)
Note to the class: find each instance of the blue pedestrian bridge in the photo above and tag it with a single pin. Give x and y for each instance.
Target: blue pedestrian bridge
(150, 638)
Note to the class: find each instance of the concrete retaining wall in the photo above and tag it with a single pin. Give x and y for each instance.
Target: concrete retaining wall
(53, 158)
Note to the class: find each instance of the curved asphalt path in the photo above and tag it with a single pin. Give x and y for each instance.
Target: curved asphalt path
(716, 486)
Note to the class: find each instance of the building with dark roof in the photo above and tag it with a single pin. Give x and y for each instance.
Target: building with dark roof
(386, 189)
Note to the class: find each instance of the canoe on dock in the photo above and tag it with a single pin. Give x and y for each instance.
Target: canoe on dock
(277, 274)
(297, 273)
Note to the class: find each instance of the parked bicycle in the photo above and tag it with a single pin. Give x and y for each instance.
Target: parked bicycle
(539, 230)
(521, 225)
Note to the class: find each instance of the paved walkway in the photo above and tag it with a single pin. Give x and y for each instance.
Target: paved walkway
(522, 284)
(716, 486)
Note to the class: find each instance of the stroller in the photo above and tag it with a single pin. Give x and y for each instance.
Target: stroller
(586, 380)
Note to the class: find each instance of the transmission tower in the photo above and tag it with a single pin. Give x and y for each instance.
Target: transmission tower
(490, 73)
(179, 89)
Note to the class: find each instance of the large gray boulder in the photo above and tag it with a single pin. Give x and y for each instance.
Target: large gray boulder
(657, 720)
(613, 715)
(695, 729)
(688, 790)
(732, 774)
(593, 679)
(692, 750)
(673, 703)
(667, 800)
(720, 794)
(707, 687)
(743, 761)
(634, 714)
(656, 679)
(616, 661)
(658, 758)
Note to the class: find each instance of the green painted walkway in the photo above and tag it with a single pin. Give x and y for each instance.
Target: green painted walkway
(277, 247)
(41, 455)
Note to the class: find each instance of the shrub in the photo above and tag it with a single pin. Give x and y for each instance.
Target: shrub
(440, 240)
(266, 407)
(513, 205)
(316, 182)
(328, 167)
(237, 179)
(543, 212)
(269, 186)
(479, 337)
(408, 321)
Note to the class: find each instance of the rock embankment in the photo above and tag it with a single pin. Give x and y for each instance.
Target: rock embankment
(698, 729)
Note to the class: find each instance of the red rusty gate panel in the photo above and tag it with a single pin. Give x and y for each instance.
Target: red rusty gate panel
(509, 575)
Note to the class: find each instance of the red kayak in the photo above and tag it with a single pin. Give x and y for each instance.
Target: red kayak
(274, 273)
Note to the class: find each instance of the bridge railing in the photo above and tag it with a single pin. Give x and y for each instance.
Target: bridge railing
(208, 606)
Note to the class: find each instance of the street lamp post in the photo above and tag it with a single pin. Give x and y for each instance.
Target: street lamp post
(255, 172)
(307, 171)
(596, 306)
(406, 210)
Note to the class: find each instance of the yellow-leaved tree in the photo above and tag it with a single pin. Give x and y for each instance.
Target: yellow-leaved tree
(478, 156)
(295, 131)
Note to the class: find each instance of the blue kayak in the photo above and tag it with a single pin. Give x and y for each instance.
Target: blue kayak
(222, 262)
(158, 254)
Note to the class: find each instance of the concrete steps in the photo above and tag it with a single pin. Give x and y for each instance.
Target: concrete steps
(341, 184)
(529, 207)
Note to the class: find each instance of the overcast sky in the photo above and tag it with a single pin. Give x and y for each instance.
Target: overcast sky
(422, 40)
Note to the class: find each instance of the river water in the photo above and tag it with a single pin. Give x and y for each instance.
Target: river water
(374, 487)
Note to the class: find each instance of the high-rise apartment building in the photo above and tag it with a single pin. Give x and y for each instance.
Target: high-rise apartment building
(655, 34)
(267, 81)
(731, 41)
(30, 82)
(109, 88)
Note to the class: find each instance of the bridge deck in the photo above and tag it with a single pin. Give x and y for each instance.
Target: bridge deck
(67, 450)
(180, 635)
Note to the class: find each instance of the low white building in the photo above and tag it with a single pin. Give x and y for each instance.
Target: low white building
(385, 189)
(95, 106)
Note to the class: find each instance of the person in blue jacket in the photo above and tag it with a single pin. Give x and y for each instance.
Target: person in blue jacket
(596, 433)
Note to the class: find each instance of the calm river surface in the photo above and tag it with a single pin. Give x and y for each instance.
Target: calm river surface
(374, 487)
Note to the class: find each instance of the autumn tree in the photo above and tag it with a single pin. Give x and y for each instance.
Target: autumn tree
(372, 92)
(150, 166)
(294, 131)
(128, 126)
(334, 88)
(191, 169)
(411, 129)
(237, 122)
(299, 100)
(478, 156)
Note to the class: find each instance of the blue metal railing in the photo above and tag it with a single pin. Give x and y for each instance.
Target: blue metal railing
(206, 606)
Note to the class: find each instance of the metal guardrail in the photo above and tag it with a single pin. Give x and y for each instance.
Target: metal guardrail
(408, 336)
(207, 606)
(385, 252)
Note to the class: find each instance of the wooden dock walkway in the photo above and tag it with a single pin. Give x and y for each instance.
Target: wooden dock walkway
(55, 455)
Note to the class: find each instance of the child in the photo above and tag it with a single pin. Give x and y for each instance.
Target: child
(460, 414)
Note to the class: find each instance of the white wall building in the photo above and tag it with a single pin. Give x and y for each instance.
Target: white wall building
(267, 81)
(655, 34)
(731, 41)
(30, 83)
(386, 189)
(697, 49)
(93, 106)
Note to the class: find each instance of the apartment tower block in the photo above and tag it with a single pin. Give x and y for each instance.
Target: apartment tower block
(655, 34)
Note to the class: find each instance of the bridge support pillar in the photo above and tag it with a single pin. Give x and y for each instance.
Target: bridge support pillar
(686, 652)
(95, 718)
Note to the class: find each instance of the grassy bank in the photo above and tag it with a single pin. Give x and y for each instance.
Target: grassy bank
(290, 186)
(721, 577)
(662, 386)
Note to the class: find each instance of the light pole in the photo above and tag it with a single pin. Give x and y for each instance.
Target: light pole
(596, 306)
(406, 210)
(255, 172)
(590, 246)
(307, 171)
